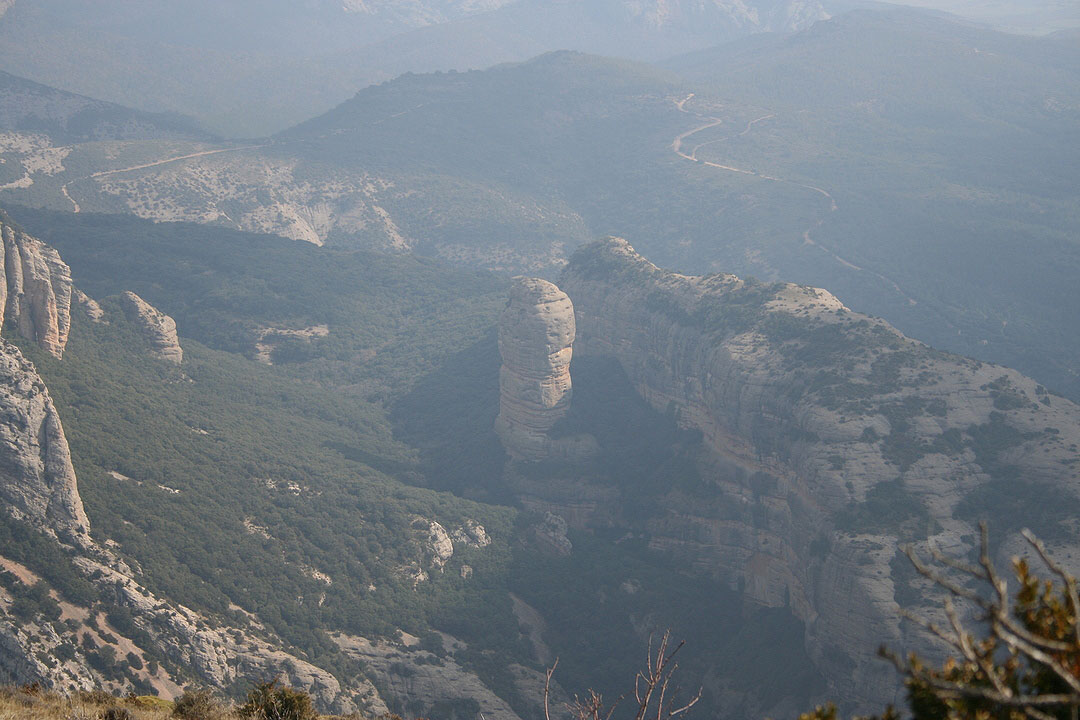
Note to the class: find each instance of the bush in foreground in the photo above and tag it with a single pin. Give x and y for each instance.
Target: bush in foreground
(274, 701)
(1024, 663)
(198, 705)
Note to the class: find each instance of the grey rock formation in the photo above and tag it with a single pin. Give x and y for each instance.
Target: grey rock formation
(439, 544)
(808, 411)
(158, 328)
(36, 292)
(472, 534)
(536, 334)
(550, 535)
(37, 481)
(221, 655)
(23, 644)
(89, 305)
(217, 653)
(408, 674)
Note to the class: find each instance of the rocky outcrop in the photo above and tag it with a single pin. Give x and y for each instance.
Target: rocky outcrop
(831, 439)
(425, 685)
(23, 646)
(158, 328)
(439, 545)
(472, 534)
(536, 335)
(36, 292)
(216, 653)
(89, 305)
(222, 655)
(550, 535)
(37, 480)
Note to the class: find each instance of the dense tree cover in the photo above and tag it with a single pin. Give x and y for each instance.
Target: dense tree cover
(391, 319)
(276, 489)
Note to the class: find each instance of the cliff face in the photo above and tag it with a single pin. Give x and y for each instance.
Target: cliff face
(536, 334)
(36, 292)
(37, 481)
(157, 327)
(833, 439)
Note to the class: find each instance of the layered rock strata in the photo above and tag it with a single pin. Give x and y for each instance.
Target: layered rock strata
(158, 328)
(37, 480)
(36, 292)
(536, 335)
(833, 439)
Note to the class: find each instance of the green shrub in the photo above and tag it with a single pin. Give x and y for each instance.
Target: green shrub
(274, 701)
(197, 705)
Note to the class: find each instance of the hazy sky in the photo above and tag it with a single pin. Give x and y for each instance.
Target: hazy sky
(1017, 15)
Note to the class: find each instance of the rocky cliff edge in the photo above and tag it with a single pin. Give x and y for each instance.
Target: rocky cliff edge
(834, 440)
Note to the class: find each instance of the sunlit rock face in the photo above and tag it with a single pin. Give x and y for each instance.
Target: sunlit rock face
(37, 480)
(536, 335)
(36, 290)
(156, 326)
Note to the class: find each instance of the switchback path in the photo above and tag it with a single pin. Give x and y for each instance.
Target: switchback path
(64, 190)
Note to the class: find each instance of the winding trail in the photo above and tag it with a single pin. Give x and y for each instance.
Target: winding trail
(64, 190)
(711, 122)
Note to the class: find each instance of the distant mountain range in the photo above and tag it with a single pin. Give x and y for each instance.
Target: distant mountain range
(896, 157)
(249, 68)
(30, 107)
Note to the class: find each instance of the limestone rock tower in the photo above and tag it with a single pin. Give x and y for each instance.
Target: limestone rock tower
(536, 335)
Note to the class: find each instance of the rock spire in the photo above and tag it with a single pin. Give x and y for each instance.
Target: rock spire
(536, 335)
(36, 290)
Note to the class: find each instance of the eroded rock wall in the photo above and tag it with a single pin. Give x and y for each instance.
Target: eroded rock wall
(36, 291)
(37, 480)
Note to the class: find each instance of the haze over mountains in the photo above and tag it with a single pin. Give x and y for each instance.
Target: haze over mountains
(512, 167)
(145, 55)
(278, 405)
